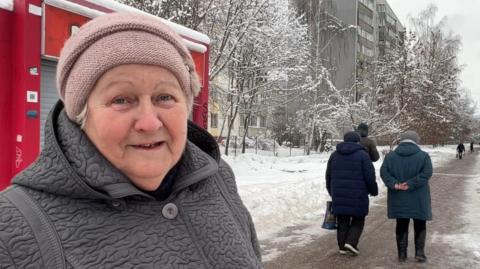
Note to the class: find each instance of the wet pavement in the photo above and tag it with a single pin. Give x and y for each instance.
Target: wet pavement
(377, 245)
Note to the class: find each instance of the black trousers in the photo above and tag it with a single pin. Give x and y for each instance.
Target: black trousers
(420, 233)
(418, 226)
(349, 230)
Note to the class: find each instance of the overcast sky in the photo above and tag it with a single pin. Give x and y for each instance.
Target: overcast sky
(463, 17)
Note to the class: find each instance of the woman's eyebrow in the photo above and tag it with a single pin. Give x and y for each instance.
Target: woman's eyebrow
(167, 83)
(115, 82)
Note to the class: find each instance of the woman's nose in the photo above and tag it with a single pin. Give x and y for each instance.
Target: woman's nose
(148, 119)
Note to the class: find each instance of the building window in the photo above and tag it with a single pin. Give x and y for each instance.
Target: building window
(392, 21)
(381, 21)
(366, 51)
(382, 51)
(381, 35)
(366, 34)
(365, 18)
(253, 121)
(263, 121)
(213, 120)
(368, 3)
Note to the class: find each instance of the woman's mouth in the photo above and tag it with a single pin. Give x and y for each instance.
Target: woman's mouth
(148, 146)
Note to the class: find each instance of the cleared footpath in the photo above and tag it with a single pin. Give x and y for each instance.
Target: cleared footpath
(378, 247)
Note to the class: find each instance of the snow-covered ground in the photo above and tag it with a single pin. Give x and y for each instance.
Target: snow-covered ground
(283, 192)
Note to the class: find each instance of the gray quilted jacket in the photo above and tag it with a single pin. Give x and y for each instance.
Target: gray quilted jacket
(72, 209)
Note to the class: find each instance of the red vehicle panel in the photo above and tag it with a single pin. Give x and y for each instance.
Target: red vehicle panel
(34, 30)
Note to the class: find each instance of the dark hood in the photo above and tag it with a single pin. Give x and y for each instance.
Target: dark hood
(347, 148)
(406, 149)
(71, 165)
(363, 129)
(363, 133)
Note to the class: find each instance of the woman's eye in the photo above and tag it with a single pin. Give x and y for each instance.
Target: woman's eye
(121, 102)
(163, 98)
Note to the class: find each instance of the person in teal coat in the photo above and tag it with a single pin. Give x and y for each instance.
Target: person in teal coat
(406, 172)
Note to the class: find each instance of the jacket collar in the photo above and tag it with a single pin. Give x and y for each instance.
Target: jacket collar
(71, 165)
(408, 141)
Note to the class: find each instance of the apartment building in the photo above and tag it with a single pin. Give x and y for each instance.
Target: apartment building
(367, 30)
(391, 32)
(379, 31)
(356, 34)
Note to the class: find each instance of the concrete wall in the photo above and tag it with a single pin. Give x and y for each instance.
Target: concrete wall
(341, 48)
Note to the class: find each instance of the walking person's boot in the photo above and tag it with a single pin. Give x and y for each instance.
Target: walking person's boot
(402, 245)
(420, 238)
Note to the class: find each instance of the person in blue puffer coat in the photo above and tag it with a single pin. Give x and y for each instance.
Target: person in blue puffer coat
(350, 179)
(406, 172)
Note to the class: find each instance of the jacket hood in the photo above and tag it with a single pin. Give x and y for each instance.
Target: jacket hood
(70, 164)
(363, 129)
(347, 148)
(352, 136)
(363, 133)
(405, 149)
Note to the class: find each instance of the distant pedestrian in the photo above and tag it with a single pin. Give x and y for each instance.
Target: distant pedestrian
(471, 147)
(406, 172)
(369, 145)
(350, 179)
(460, 150)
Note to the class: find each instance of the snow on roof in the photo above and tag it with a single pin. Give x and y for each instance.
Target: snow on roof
(6, 4)
(194, 46)
(118, 7)
(74, 8)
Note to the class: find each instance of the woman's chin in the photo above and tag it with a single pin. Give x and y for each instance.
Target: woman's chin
(147, 184)
(148, 181)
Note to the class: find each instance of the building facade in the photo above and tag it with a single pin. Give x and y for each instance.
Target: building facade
(379, 31)
(391, 32)
(353, 35)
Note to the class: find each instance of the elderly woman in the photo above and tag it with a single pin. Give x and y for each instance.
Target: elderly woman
(124, 180)
(406, 171)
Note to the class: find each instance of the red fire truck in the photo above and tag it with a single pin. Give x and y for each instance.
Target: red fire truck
(32, 33)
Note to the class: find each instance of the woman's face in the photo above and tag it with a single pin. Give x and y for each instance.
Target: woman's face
(137, 118)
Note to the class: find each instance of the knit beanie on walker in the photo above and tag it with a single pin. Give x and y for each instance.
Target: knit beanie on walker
(410, 135)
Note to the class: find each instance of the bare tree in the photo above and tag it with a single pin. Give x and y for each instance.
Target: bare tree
(438, 84)
(190, 13)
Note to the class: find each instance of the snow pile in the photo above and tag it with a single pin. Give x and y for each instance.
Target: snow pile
(280, 192)
(441, 155)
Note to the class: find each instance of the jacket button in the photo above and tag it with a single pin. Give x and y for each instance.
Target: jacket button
(115, 203)
(170, 211)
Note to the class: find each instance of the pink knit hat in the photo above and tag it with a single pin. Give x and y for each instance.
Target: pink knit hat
(115, 39)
